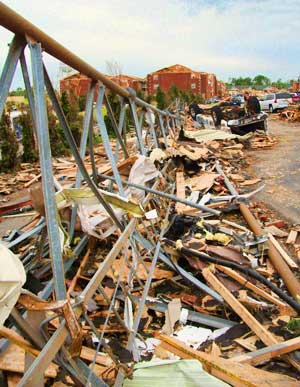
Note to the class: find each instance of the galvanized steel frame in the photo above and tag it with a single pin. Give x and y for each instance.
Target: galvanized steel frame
(38, 41)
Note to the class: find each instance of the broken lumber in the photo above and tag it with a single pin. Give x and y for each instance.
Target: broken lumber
(283, 253)
(238, 375)
(291, 239)
(180, 192)
(269, 352)
(265, 336)
(243, 281)
(282, 268)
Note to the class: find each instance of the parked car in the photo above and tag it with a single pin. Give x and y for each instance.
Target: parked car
(295, 97)
(213, 100)
(275, 101)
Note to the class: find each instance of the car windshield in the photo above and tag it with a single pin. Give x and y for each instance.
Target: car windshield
(283, 95)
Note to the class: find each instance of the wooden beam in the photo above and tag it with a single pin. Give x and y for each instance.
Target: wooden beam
(291, 239)
(180, 193)
(269, 352)
(266, 337)
(243, 281)
(283, 253)
(236, 374)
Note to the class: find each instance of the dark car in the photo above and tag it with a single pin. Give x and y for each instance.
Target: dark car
(237, 99)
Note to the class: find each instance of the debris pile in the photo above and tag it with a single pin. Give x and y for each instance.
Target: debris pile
(291, 113)
(203, 272)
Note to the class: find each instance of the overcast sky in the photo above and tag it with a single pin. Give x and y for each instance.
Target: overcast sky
(227, 37)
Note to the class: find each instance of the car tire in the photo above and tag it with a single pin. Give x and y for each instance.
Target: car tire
(271, 109)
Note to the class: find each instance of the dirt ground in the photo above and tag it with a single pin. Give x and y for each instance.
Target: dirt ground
(10, 224)
(279, 169)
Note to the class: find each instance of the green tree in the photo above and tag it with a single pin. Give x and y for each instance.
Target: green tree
(161, 99)
(82, 103)
(57, 140)
(261, 82)
(18, 92)
(65, 103)
(70, 107)
(8, 146)
(149, 98)
(280, 84)
(173, 93)
(28, 139)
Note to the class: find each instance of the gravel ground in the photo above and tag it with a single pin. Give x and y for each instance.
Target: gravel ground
(279, 168)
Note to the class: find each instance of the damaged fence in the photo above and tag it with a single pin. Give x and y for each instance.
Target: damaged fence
(122, 226)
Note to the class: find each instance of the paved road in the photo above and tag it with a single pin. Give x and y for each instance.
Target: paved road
(279, 168)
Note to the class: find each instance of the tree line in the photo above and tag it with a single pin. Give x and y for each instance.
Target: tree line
(259, 82)
(15, 151)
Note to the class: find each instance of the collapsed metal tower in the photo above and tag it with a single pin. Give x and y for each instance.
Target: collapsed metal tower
(63, 344)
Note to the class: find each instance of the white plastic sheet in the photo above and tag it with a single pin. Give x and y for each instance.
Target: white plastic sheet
(12, 278)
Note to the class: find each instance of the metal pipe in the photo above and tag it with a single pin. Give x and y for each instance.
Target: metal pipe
(17, 24)
(163, 194)
(286, 274)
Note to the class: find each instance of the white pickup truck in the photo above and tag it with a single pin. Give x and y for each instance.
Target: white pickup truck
(274, 101)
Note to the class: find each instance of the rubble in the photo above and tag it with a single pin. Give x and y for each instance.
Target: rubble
(222, 237)
(291, 113)
(149, 248)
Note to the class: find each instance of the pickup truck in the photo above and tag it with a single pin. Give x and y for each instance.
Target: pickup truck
(275, 101)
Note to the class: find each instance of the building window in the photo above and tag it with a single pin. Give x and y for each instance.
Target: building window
(155, 86)
(193, 85)
(155, 77)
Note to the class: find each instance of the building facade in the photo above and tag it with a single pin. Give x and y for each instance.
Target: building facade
(184, 79)
(79, 83)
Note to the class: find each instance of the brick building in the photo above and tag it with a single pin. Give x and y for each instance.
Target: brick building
(79, 83)
(295, 86)
(222, 91)
(184, 79)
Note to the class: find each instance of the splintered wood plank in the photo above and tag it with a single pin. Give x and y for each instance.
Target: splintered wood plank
(291, 239)
(17, 339)
(269, 352)
(13, 360)
(243, 281)
(180, 192)
(236, 374)
(266, 337)
(292, 264)
(89, 354)
(13, 379)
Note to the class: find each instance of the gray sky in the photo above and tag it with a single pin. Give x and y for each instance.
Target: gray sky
(227, 37)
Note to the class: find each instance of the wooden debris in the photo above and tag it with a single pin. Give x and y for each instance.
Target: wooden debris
(260, 292)
(269, 352)
(236, 374)
(202, 181)
(266, 337)
(291, 240)
(283, 253)
(13, 360)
